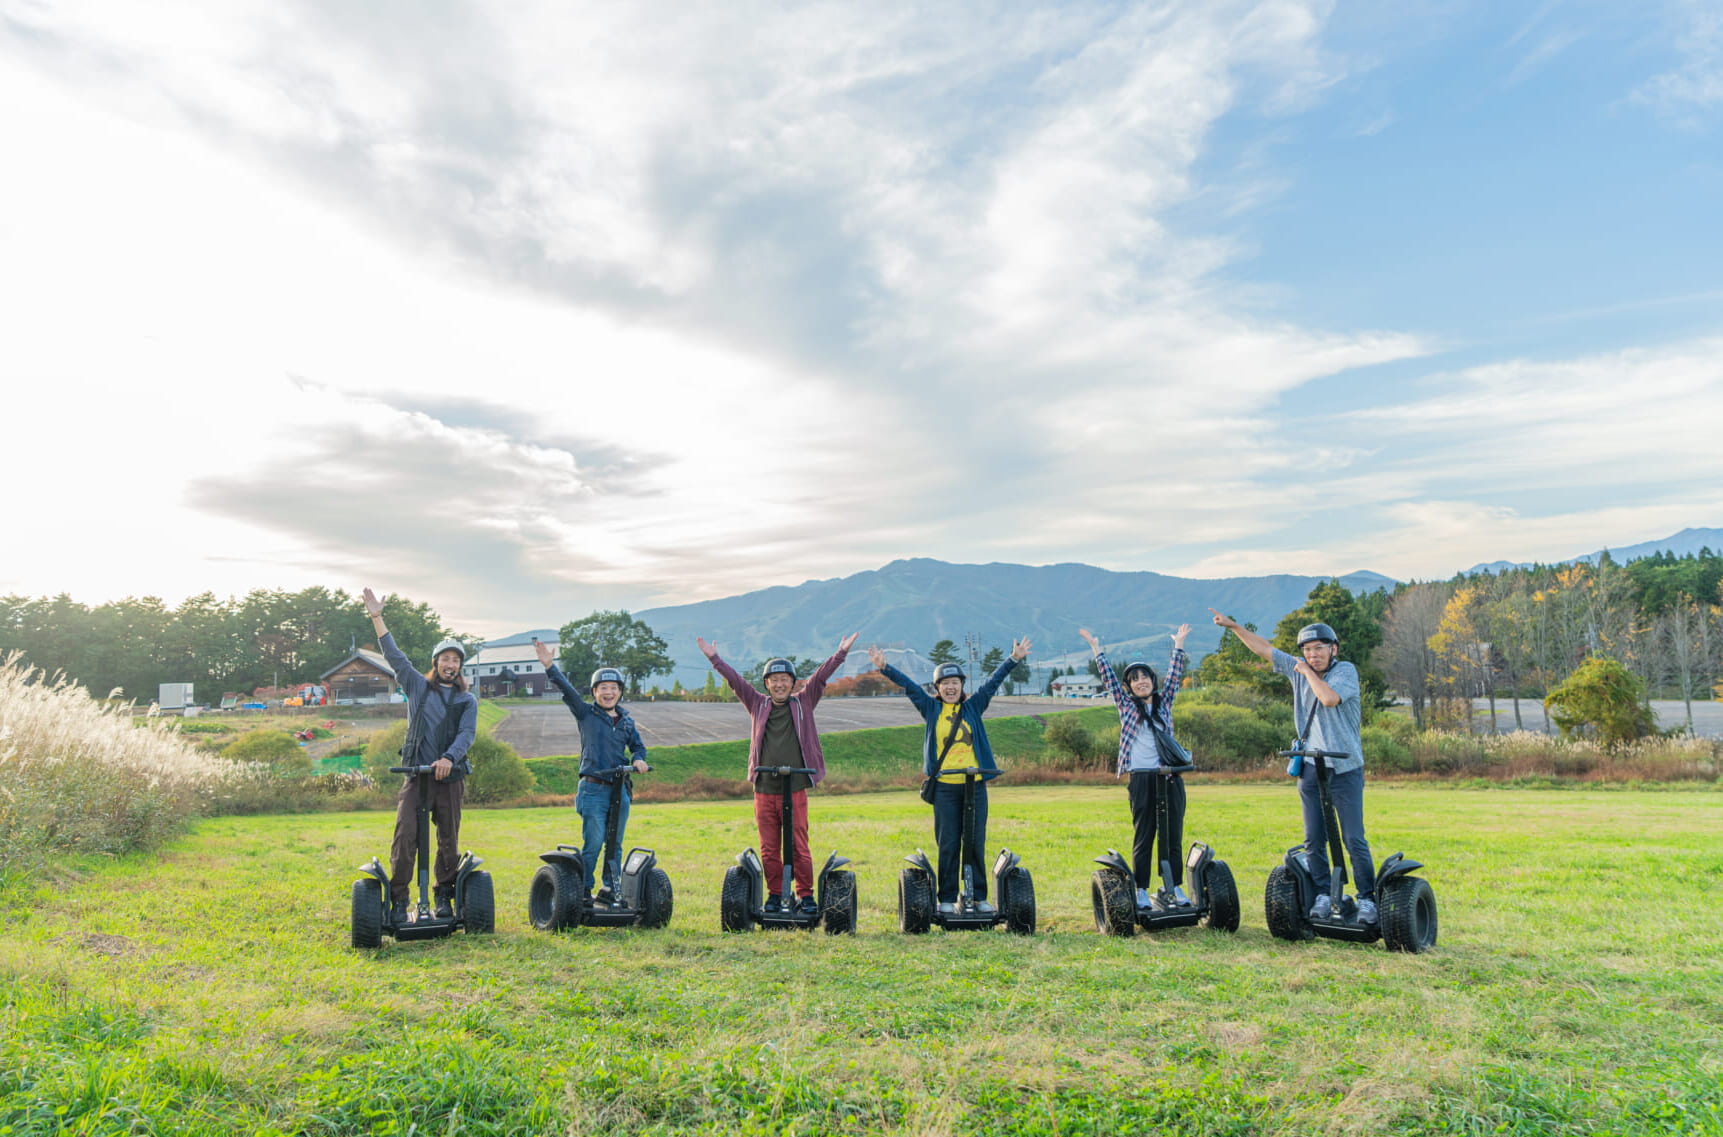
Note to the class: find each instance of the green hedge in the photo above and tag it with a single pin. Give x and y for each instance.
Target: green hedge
(498, 771)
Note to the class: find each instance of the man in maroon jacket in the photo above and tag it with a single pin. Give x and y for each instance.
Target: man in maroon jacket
(784, 735)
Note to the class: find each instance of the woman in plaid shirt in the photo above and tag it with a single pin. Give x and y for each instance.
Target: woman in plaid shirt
(1139, 753)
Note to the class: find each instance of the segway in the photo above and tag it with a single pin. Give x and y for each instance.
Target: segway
(474, 902)
(917, 910)
(1405, 904)
(558, 898)
(1213, 897)
(741, 904)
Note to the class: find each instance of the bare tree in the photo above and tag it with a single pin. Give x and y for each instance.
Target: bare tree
(1404, 655)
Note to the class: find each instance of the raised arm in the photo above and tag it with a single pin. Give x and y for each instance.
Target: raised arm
(570, 693)
(910, 687)
(1175, 670)
(745, 691)
(1257, 645)
(406, 674)
(816, 684)
(1108, 678)
(990, 686)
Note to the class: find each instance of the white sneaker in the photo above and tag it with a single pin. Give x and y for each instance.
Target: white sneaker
(1323, 907)
(984, 907)
(1366, 911)
(1142, 898)
(1179, 895)
(947, 908)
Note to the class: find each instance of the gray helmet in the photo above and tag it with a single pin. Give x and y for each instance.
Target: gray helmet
(1139, 665)
(948, 671)
(1317, 633)
(779, 666)
(450, 645)
(605, 675)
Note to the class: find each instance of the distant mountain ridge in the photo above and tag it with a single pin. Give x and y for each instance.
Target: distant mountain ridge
(1688, 542)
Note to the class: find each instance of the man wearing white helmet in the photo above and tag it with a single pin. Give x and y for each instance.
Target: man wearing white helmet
(1327, 707)
(442, 720)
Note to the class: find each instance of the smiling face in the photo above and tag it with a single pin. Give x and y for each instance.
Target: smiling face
(1142, 685)
(778, 686)
(950, 689)
(448, 665)
(607, 694)
(1319, 654)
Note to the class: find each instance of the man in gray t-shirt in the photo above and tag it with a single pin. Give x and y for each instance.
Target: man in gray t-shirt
(1327, 706)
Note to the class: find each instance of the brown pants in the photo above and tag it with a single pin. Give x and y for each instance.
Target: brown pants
(446, 800)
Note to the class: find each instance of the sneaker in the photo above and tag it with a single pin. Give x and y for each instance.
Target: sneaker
(445, 908)
(604, 898)
(984, 908)
(774, 903)
(1366, 911)
(398, 913)
(947, 908)
(809, 906)
(1179, 896)
(1323, 907)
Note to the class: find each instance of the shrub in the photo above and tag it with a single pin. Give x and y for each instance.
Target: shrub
(1604, 698)
(1223, 736)
(499, 773)
(275, 748)
(1384, 751)
(1074, 747)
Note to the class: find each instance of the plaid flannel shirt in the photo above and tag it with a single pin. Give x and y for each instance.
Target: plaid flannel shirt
(1130, 722)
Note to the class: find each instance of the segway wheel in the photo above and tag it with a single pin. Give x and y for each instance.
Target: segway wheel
(1017, 901)
(1222, 892)
(914, 902)
(368, 913)
(656, 899)
(553, 900)
(1408, 914)
(1115, 901)
(733, 902)
(1280, 907)
(479, 906)
(840, 898)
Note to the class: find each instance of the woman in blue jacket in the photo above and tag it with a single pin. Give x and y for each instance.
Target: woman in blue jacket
(954, 740)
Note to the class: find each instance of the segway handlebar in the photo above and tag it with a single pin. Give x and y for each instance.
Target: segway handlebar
(783, 771)
(616, 772)
(407, 769)
(1303, 753)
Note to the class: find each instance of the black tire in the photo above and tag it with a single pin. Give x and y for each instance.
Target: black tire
(1407, 909)
(367, 912)
(479, 905)
(1282, 909)
(1222, 893)
(914, 902)
(840, 903)
(733, 915)
(1017, 901)
(1114, 896)
(657, 900)
(553, 900)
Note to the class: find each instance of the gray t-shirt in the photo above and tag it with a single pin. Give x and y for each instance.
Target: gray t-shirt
(1333, 728)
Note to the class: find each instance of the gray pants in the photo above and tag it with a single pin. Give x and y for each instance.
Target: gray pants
(1348, 792)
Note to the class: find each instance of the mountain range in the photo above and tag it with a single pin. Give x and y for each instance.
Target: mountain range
(1685, 543)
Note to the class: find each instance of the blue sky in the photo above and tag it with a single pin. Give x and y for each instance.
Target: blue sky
(526, 315)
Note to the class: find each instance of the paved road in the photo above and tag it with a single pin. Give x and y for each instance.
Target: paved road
(537, 730)
(1707, 716)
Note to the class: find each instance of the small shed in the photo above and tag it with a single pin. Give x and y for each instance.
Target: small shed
(363, 677)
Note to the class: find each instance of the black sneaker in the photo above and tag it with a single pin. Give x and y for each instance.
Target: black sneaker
(445, 908)
(774, 903)
(810, 906)
(604, 898)
(398, 914)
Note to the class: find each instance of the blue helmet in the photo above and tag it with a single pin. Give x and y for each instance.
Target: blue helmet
(606, 675)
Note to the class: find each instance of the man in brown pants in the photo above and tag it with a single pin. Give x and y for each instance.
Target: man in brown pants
(442, 719)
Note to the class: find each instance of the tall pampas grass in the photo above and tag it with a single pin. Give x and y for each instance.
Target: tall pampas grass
(76, 776)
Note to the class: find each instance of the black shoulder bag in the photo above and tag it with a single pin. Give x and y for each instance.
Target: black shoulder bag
(930, 783)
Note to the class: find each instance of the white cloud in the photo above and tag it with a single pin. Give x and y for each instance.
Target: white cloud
(1696, 86)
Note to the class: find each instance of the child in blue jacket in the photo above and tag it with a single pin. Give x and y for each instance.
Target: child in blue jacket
(958, 718)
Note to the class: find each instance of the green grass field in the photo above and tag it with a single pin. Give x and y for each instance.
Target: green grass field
(1577, 987)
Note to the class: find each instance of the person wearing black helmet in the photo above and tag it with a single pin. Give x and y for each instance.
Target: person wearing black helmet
(1145, 713)
(1327, 706)
(955, 739)
(607, 736)
(442, 721)
(784, 734)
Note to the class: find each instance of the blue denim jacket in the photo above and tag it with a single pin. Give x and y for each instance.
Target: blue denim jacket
(604, 742)
(974, 705)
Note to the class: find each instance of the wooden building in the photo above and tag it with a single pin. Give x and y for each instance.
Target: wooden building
(363, 677)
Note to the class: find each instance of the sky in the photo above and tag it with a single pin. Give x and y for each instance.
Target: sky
(527, 309)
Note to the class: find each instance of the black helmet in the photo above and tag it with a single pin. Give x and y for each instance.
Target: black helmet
(605, 675)
(1138, 665)
(778, 666)
(1317, 633)
(948, 671)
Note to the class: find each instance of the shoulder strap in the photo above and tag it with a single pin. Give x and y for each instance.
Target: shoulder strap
(950, 738)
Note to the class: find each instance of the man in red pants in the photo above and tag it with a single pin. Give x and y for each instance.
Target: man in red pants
(784, 735)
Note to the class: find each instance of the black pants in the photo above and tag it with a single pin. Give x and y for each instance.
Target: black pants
(446, 799)
(948, 832)
(1144, 789)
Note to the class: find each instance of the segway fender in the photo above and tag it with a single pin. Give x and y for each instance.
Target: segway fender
(755, 871)
(463, 870)
(1197, 862)
(570, 860)
(375, 869)
(1114, 861)
(1394, 866)
(635, 867)
(920, 861)
(834, 862)
(1004, 863)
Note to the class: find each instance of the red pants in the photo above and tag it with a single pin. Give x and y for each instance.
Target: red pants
(769, 816)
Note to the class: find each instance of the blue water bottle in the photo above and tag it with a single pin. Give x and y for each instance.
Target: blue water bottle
(1295, 764)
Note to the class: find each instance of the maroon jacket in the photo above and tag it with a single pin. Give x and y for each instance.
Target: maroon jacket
(802, 704)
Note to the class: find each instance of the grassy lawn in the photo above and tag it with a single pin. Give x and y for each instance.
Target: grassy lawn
(879, 754)
(491, 713)
(1577, 987)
